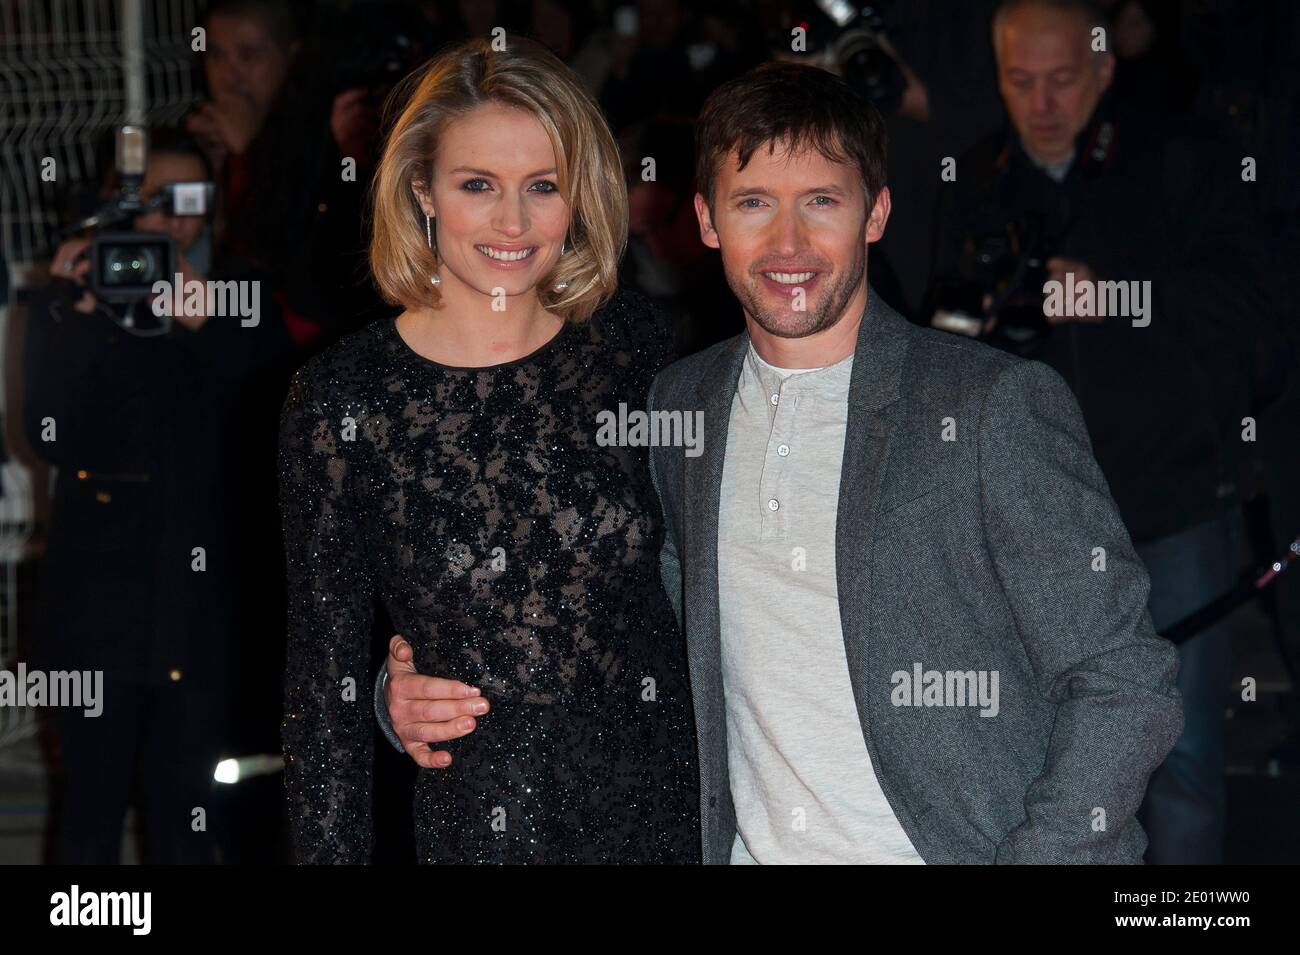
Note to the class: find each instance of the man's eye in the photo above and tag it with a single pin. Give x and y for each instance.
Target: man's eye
(745, 203)
(829, 201)
(545, 186)
(473, 185)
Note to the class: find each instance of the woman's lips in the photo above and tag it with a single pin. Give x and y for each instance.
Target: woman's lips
(507, 257)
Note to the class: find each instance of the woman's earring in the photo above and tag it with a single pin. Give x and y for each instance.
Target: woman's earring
(428, 237)
(564, 248)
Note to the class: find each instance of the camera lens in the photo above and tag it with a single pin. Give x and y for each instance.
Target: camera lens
(129, 265)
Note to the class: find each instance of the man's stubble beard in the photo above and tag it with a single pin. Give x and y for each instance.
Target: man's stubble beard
(832, 302)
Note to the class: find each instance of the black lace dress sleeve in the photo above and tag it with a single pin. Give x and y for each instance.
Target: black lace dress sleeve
(327, 729)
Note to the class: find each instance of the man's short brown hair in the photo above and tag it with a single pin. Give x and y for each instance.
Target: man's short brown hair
(792, 105)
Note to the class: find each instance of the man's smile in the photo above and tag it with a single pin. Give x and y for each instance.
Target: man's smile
(785, 282)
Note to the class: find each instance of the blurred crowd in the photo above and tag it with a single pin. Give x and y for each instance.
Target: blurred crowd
(1010, 164)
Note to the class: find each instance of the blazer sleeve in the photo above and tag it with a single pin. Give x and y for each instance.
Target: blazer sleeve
(1086, 630)
(326, 729)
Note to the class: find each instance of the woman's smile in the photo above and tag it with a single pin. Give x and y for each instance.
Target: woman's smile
(507, 256)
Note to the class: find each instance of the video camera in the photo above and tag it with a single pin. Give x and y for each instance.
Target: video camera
(127, 263)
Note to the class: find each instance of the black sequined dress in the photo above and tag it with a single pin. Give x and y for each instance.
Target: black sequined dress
(515, 553)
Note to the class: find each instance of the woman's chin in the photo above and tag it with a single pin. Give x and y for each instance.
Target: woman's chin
(512, 287)
(492, 283)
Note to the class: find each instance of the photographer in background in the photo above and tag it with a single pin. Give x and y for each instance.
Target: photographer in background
(290, 102)
(1077, 191)
(137, 413)
(282, 118)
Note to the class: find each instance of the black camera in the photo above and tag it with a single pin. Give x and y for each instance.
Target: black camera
(849, 39)
(125, 263)
(1001, 278)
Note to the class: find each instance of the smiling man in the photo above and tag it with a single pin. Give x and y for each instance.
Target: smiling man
(915, 623)
(876, 501)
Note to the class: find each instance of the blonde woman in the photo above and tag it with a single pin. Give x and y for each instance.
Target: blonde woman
(446, 462)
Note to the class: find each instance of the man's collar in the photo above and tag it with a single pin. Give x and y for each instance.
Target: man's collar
(877, 358)
(832, 379)
(1056, 170)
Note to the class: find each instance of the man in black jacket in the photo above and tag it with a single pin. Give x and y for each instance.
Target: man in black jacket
(1147, 219)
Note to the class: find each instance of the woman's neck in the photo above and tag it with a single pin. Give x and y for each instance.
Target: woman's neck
(467, 332)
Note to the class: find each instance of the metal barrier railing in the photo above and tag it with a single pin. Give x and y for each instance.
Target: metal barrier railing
(17, 525)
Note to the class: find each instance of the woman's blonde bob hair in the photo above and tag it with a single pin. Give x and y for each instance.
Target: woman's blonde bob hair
(589, 170)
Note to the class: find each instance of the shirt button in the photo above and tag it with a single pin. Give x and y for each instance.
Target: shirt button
(775, 398)
(175, 675)
(783, 450)
(772, 505)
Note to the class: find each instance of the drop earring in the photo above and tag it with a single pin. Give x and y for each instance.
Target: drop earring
(564, 248)
(428, 237)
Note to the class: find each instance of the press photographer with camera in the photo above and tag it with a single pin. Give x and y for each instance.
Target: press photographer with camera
(282, 116)
(138, 412)
(1047, 225)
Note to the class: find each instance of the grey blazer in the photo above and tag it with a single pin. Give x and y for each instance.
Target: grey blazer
(974, 532)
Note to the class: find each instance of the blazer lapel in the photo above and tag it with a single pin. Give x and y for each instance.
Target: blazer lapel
(703, 477)
(717, 389)
(873, 387)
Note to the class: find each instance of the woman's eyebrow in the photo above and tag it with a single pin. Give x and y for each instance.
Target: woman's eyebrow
(488, 172)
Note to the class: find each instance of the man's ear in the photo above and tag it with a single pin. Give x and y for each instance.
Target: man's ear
(1107, 70)
(879, 216)
(708, 234)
